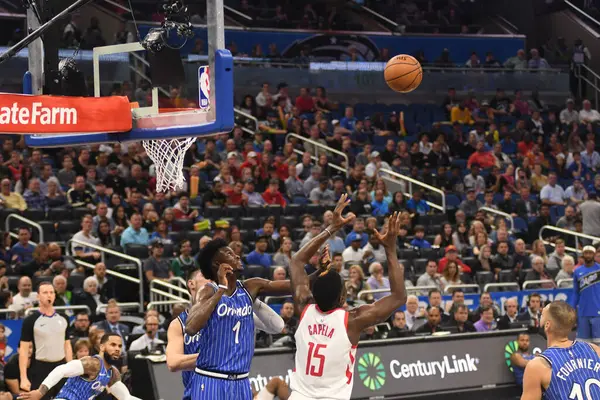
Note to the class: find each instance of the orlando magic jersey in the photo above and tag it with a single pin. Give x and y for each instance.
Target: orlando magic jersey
(191, 345)
(227, 344)
(586, 291)
(79, 388)
(575, 372)
(518, 372)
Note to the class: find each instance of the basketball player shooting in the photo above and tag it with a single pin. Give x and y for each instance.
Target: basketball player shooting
(89, 376)
(327, 335)
(566, 369)
(224, 313)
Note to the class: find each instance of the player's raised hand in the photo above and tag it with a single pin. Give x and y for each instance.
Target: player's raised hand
(224, 271)
(338, 220)
(390, 233)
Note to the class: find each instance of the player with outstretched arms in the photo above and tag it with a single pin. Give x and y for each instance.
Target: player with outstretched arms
(566, 369)
(327, 335)
(88, 376)
(586, 297)
(182, 350)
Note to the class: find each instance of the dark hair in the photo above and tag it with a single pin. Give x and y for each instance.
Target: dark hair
(457, 290)
(81, 313)
(484, 309)
(432, 291)
(107, 336)
(459, 307)
(205, 257)
(327, 290)
(191, 274)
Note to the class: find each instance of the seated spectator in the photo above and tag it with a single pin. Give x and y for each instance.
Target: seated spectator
(555, 258)
(259, 256)
(156, 267)
(10, 199)
(536, 61)
(511, 308)
(322, 194)
(284, 255)
(451, 275)
(417, 204)
(430, 277)
(576, 193)
(518, 62)
(106, 285)
(503, 261)
(55, 197)
(356, 284)
(182, 209)
(82, 348)
(290, 323)
(459, 323)
(375, 165)
(184, 262)
(149, 341)
(89, 297)
(587, 114)
(462, 114)
(525, 206)
(78, 195)
(470, 205)
(315, 230)
(279, 274)
(374, 251)
(354, 253)
(419, 241)
(452, 255)
(569, 115)
(22, 251)
(539, 273)
(39, 264)
(85, 235)
(161, 232)
(412, 313)
(399, 328)
(272, 195)
(552, 194)
(590, 156)
(370, 333)
(568, 266)
(533, 312)
(474, 180)
(377, 280)
(379, 206)
(135, 233)
(81, 326)
(486, 321)
(485, 159)
(25, 298)
(434, 319)
(34, 197)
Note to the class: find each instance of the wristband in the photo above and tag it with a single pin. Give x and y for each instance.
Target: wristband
(224, 287)
(328, 231)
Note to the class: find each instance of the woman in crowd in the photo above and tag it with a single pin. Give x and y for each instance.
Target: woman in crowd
(377, 280)
(451, 275)
(82, 348)
(103, 233)
(398, 204)
(380, 185)
(355, 284)
(89, 296)
(161, 233)
(481, 239)
(539, 249)
(445, 238)
(284, 255)
(484, 262)
(460, 238)
(55, 197)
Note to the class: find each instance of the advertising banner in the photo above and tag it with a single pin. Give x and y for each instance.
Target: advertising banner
(12, 331)
(411, 366)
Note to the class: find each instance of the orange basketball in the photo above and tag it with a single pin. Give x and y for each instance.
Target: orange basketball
(403, 73)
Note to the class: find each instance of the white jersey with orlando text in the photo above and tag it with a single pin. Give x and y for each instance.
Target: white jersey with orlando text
(324, 356)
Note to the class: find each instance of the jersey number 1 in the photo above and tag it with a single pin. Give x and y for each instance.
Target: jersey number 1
(236, 329)
(313, 353)
(577, 391)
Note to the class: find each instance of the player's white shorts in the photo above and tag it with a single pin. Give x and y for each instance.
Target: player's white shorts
(298, 396)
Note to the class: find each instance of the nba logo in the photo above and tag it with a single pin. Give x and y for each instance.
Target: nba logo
(204, 86)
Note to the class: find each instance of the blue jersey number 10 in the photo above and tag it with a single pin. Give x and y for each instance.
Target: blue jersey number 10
(577, 393)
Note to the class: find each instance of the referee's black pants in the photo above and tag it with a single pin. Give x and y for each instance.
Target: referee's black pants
(39, 371)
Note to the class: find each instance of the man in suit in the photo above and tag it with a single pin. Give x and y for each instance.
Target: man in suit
(106, 286)
(399, 328)
(460, 323)
(511, 308)
(434, 318)
(526, 207)
(112, 324)
(533, 312)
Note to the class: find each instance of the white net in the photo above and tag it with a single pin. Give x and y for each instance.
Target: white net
(168, 155)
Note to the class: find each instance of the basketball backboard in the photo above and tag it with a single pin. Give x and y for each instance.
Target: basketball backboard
(152, 123)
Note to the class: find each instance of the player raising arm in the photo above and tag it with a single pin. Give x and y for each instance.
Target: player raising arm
(566, 369)
(327, 335)
(89, 376)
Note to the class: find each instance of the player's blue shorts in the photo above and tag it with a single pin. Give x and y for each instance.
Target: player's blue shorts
(588, 328)
(208, 388)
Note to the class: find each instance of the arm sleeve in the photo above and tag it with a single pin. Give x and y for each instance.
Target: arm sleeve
(267, 320)
(27, 329)
(120, 391)
(72, 368)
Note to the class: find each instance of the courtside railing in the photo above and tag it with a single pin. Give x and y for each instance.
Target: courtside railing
(155, 304)
(59, 308)
(538, 282)
(249, 117)
(394, 177)
(172, 290)
(577, 235)
(448, 289)
(25, 220)
(127, 257)
(564, 283)
(502, 214)
(511, 285)
(324, 150)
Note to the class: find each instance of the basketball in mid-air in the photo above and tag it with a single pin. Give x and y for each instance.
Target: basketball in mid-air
(403, 73)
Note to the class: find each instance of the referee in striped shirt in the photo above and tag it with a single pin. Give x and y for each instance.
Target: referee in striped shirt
(45, 332)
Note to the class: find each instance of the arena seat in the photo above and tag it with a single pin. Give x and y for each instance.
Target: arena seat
(137, 250)
(35, 214)
(484, 277)
(213, 212)
(60, 214)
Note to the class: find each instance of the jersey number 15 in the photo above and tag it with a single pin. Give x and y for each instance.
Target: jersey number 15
(319, 359)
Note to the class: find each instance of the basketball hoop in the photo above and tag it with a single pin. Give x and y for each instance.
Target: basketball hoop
(168, 155)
